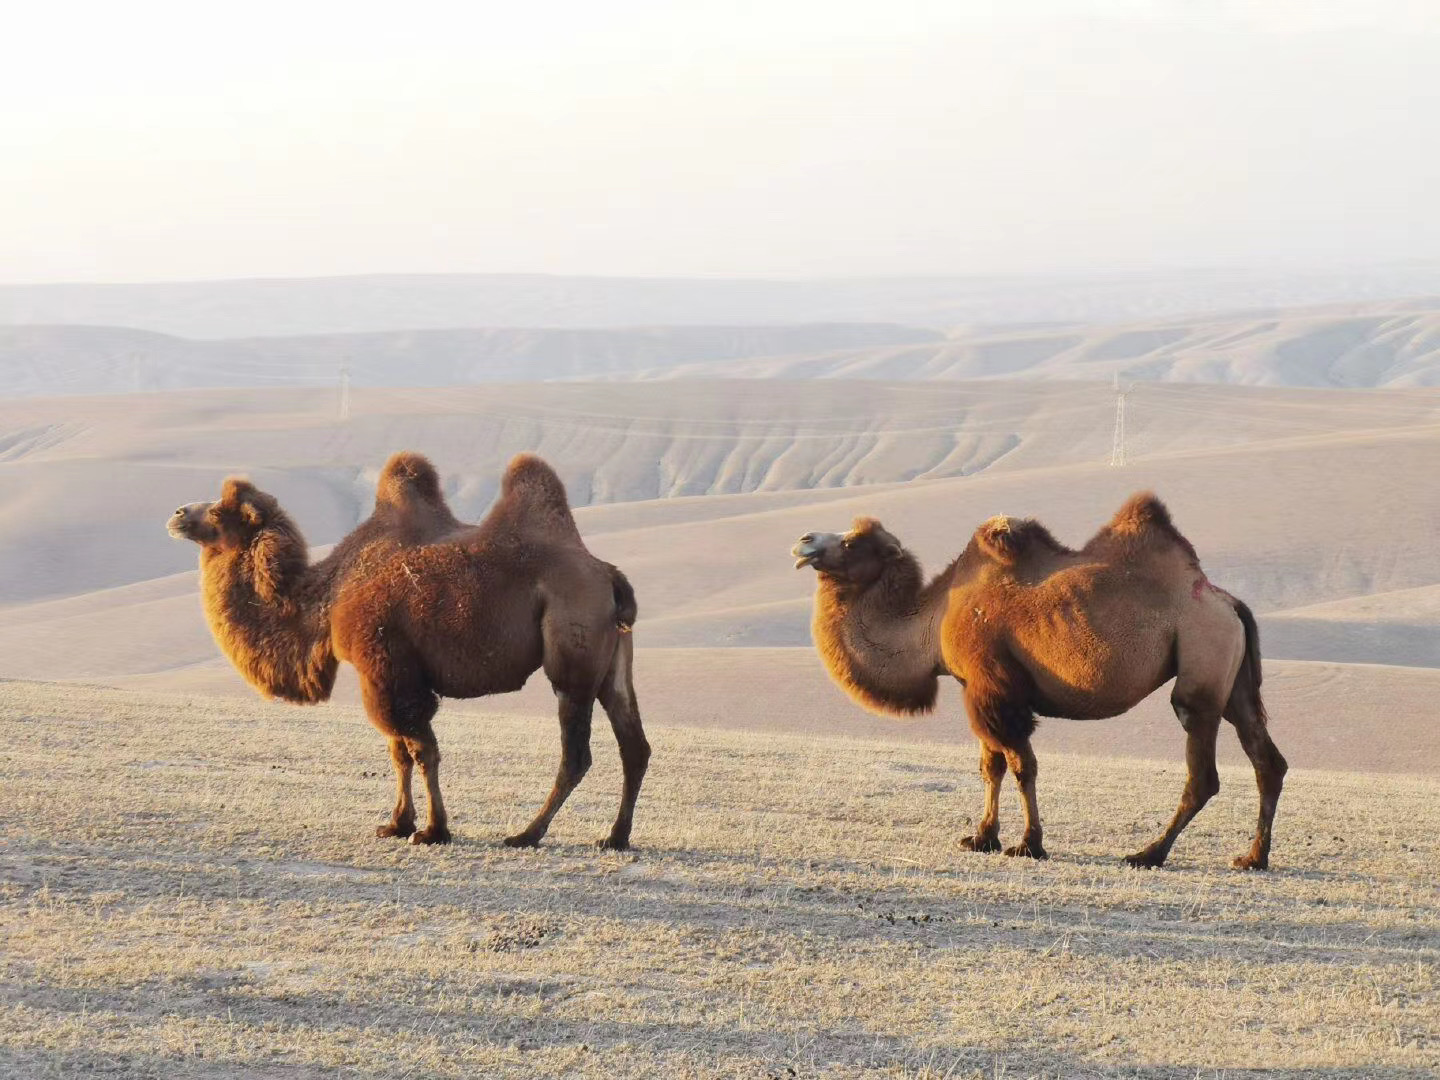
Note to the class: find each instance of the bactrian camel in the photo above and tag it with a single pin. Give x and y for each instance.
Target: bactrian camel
(425, 607)
(1030, 627)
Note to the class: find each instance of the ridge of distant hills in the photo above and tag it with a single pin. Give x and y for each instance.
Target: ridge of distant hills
(49, 360)
(387, 302)
(1392, 344)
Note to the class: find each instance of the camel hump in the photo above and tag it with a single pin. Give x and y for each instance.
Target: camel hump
(534, 492)
(1007, 540)
(1144, 516)
(407, 478)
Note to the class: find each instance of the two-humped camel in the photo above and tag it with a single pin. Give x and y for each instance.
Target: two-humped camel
(426, 607)
(1030, 627)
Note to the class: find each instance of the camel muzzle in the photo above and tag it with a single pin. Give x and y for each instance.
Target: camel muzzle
(181, 523)
(811, 547)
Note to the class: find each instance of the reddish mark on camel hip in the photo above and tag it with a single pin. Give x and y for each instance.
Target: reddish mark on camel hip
(1198, 589)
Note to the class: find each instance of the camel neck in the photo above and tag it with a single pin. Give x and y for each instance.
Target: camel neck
(882, 643)
(279, 643)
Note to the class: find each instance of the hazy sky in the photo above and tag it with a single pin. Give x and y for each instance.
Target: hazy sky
(145, 140)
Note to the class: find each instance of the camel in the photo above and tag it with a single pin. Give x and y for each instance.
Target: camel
(1028, 626)
(424, 607)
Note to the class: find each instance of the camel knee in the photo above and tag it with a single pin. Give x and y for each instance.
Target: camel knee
(1204, 786)
(426, 755)
(992, 767)
(579, 763)
(636, 756)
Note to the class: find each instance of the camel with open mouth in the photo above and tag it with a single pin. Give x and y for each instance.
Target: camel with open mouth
(1030, 627)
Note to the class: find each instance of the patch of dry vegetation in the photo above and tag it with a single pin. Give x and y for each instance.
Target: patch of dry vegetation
(189, 889)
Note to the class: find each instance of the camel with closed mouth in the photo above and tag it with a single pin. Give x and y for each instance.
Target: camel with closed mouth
(424, 607)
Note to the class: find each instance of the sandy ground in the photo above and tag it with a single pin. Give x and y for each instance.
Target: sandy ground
(190, 889)
(1324, 716)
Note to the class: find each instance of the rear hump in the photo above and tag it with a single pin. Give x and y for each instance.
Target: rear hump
(533, 499)
(1144, 517)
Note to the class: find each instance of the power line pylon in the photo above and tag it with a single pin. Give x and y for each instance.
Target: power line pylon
(1117, 446)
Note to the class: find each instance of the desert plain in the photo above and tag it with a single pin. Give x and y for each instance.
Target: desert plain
(190, 886)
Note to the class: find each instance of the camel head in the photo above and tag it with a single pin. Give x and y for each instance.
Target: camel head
(232, 521)
(248, 522)
(857, 557)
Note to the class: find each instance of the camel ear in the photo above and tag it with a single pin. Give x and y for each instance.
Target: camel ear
(251, 514)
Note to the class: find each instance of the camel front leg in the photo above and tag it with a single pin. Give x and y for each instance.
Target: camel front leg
(426, 752)
(1003, 724)
(574, 764)
(992, 773)
(1022, 763)
(402, 820)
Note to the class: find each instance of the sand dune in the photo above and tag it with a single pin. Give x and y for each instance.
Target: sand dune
(1303, 502)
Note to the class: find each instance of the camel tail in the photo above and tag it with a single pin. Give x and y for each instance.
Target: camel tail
(1247, 682)
(626, 608)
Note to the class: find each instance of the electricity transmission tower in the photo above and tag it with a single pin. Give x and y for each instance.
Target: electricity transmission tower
(344, 392)
(1117, 447)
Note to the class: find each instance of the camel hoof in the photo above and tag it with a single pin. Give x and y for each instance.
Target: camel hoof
(980, 842)
(384, 832)
(614, 843)
(1027, 850)
(1250, 862)
(434, 835)
(1145, 860)
(522, 840)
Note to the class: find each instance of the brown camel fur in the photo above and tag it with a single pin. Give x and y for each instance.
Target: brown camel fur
(426, 607)
(1030, 627)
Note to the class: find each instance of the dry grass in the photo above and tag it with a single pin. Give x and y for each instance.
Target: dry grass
(188, 888)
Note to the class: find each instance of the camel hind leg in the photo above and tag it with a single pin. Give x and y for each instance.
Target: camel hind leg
(1247, 713)
(1201, 721)
(577, 656)
(617, 696)
(575, 711)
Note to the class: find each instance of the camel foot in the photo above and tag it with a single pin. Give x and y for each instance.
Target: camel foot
(981, 842)
(1148, 859)
(393, 829)
(1251, 861)
(1028, 849)
(614, 843)
(432, 834)
(524, 839)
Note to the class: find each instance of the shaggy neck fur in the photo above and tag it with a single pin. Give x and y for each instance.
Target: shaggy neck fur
(882, 643)
(268, 610)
